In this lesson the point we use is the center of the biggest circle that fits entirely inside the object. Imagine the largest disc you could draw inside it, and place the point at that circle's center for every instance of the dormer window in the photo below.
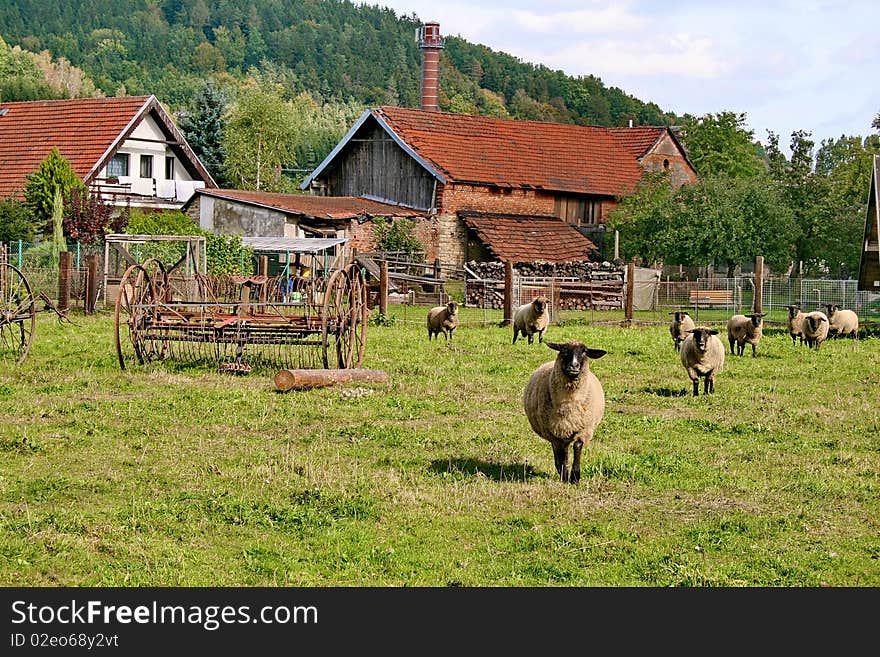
(118, 165)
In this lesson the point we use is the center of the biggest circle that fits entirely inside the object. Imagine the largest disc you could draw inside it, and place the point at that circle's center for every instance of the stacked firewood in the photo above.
(573, 285)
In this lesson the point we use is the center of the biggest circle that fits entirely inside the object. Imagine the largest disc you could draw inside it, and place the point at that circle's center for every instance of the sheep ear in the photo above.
(713, 332)
(554, 345)
(596, 353)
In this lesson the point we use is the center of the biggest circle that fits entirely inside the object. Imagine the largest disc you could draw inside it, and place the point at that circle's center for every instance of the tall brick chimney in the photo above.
(431, 43)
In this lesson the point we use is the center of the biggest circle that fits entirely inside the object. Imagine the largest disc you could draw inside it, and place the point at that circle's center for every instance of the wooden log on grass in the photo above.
(305, 379)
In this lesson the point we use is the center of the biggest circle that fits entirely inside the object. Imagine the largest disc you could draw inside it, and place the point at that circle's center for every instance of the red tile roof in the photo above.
(638, 139)
(83, 129)
(519, 238)
(529, 154)
(323, 207)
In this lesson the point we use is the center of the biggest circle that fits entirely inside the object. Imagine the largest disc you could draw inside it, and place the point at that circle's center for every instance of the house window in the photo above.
(146, 166)
(169, 168)
(118, 165)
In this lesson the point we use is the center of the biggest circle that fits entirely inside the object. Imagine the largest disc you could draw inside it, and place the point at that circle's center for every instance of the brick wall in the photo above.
(481, 198)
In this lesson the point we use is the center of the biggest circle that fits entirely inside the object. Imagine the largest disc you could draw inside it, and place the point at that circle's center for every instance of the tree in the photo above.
(720, 219)
(203, 129)
(15, 221)
(260, 138)
(88, 218)
(59, 244)
(722, 144)
(54, 172)
(396, 235)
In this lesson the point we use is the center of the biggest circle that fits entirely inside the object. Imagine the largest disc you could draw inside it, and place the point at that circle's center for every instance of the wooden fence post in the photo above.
(91, 283)
(630, 287)
(383, 287)
(263, 270)
(759, 284)
(508, 294)
(65, 259)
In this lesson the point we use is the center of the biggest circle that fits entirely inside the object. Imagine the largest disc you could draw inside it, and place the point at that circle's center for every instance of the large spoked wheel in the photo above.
(344, 317)
(18, 315)
(134, 304)
(359, 315)
(159, 279)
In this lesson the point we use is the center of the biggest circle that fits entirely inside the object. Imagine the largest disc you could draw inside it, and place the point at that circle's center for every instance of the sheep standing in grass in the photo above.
(742, 329)
(842, 322)
(815, 329)
(565, 402)
(443, 319)
(702, 355)
(795, 323)
(532, 318)
(680, 325)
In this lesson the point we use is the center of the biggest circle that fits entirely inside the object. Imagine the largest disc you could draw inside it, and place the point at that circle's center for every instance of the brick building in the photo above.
(471, 176)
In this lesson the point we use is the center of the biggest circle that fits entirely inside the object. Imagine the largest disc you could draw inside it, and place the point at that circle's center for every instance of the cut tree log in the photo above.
(304, 379)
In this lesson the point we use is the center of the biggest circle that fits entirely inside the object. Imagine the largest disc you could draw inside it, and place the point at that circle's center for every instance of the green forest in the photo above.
(287, 79)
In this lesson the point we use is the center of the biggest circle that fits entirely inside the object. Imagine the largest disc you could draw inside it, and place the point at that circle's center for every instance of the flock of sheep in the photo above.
(565, 402)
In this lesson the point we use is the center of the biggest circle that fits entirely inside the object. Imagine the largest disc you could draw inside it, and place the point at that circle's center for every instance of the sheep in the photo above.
(815, 329)
(795, 323)
(680, 325)
(531, 318)
(702, 355)
(565, 402)
(443, 319)
(742, 329)
(842, 322)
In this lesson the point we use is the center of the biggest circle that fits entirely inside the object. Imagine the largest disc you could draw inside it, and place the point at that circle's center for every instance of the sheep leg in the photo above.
(709, 384)
(577, 448)
(753, 351)
(732, 350)
(560, 456)
(696, 386)
(515, 333)
(531, 337)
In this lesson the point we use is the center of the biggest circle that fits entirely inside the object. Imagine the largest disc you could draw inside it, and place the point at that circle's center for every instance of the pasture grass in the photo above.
(175, 475)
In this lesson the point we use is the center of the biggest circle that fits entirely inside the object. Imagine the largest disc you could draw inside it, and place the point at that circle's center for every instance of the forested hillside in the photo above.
(333, 49)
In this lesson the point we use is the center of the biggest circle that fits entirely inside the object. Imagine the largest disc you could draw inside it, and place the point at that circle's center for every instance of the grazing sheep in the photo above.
(842, 322)
(815, 329)
(702, 355)
(531, 318)
(565, 402)
(443, 319)
(742, 329)
(795, 323)
(680, 325)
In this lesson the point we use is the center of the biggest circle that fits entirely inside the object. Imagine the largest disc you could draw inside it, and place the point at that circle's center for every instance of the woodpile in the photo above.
(571, 285)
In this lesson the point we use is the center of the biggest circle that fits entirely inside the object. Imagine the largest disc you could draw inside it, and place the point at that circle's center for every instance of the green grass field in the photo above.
(176, 475)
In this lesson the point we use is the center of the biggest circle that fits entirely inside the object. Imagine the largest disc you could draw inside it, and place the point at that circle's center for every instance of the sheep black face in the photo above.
(756, 318)
(793, 311)
(701, 337)
(680, 314)
(574, 357)
(452, 308)
(540, 304)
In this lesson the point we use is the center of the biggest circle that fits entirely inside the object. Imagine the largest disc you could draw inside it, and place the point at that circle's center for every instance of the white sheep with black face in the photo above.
(842, 322)
(815, 329)
(795, 323)
(443, 319)
(702, 356)
(532, 318)
(679, 326)
(745, 329)
(565, 402)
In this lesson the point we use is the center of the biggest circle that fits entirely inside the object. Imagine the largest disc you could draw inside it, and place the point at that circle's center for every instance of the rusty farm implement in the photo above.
(273, 323)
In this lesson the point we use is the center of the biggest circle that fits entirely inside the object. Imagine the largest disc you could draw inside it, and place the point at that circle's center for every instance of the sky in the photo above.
(787, 65)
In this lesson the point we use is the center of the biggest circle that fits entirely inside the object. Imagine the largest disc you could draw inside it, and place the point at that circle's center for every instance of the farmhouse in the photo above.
(128, 150)
(869, 269)
(467, 171)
